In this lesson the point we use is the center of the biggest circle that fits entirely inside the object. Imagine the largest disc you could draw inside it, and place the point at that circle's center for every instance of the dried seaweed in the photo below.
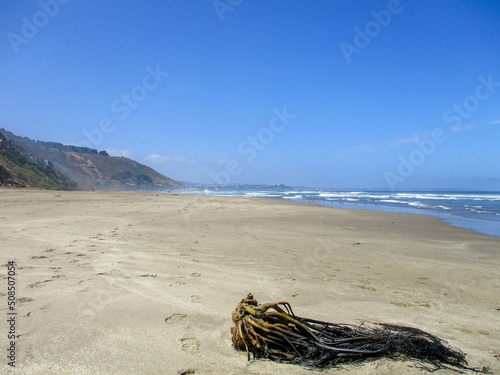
(272, 331)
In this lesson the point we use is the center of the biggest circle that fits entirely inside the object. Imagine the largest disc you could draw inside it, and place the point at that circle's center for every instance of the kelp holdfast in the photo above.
(272, 331)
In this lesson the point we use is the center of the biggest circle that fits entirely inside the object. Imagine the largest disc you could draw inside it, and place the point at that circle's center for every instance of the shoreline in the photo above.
(146, 282)
(478, 224)
(485, 227)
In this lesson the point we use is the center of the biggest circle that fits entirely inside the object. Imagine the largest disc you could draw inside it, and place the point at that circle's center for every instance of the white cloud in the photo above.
(461, 128)
(157, 158)
(364, 147)
(361, 148)
(367, 147)
(161, 159)
(114, 152)
(409, 140)
(403, 141)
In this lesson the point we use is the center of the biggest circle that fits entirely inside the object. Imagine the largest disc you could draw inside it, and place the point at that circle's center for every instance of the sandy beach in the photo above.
(145, 283)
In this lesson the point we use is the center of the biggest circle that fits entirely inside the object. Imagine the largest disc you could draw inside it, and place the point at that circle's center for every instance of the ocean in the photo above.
(475, 210)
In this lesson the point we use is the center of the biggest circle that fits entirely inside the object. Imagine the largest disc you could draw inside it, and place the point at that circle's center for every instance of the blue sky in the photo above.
(361, 94)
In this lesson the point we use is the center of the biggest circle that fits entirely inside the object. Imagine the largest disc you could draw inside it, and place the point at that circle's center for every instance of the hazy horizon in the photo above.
(334, 94)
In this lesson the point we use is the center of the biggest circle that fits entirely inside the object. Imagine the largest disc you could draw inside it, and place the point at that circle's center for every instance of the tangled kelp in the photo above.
(272, 331)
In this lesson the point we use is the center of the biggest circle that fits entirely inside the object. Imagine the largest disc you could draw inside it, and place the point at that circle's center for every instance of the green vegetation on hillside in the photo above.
(18, 170)
(50, 165)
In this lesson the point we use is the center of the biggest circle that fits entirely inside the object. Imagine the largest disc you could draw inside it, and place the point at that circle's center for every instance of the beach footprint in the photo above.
(38, 284)
(400, 304)
(175, 318)
(189, 345)
(177, 283)
(195, 299)
(24, 300)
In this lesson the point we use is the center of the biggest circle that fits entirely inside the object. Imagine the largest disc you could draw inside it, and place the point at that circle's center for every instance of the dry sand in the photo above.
(141, 283)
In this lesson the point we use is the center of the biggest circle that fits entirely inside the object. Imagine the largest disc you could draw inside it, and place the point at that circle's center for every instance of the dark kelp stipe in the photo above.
(272, 331)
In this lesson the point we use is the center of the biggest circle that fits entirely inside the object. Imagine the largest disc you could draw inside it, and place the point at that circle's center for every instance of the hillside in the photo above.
(50, 165)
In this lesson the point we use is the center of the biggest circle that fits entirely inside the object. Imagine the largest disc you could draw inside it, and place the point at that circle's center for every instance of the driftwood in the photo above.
(272, 331)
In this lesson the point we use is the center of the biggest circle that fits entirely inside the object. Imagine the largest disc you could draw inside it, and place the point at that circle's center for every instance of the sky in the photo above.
(340, 93)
